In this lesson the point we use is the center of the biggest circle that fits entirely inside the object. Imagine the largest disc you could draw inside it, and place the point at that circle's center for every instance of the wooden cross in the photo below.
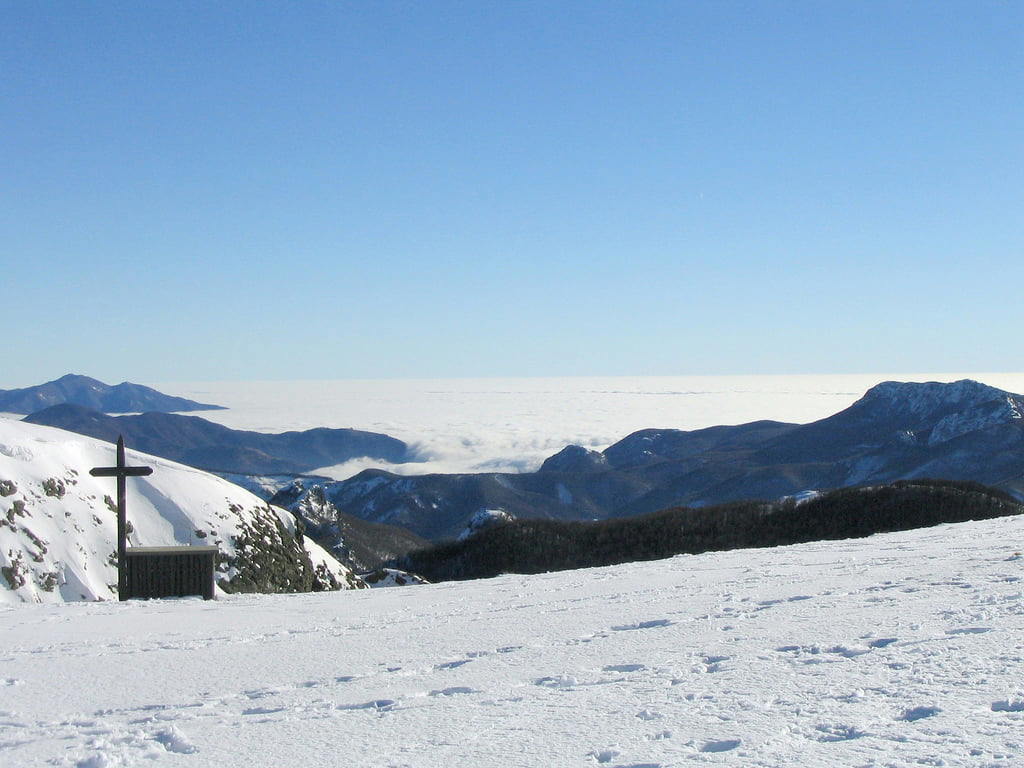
(121, 471)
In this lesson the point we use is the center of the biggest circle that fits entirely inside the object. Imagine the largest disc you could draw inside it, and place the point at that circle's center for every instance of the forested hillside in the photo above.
(536, 546)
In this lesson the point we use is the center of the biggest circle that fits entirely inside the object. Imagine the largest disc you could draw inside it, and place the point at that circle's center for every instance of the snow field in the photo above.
(898, 650)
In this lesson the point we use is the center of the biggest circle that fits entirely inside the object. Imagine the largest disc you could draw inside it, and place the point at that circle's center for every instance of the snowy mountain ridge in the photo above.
(946, 411)
(925, 398)
(58, 525)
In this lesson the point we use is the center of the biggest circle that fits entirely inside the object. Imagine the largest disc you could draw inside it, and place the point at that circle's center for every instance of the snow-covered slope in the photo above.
(902, 649)
(58, 529)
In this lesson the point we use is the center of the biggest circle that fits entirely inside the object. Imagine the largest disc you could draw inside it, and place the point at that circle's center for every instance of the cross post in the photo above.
(121, 471)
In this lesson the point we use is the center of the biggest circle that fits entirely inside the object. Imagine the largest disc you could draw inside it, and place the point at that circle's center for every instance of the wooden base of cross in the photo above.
(121, 471)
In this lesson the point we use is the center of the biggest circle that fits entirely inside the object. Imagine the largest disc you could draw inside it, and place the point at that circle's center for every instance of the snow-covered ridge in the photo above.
(979, 416)
(58, 527)
(923, 398)
(946, 410)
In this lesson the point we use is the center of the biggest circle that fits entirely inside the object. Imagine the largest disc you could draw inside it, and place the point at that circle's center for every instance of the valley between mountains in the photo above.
(964, 431)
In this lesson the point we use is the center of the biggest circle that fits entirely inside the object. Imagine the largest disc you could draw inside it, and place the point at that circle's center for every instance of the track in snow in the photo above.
(900, 649)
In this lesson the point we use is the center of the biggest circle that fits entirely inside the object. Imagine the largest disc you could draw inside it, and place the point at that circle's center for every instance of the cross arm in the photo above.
(120, 471)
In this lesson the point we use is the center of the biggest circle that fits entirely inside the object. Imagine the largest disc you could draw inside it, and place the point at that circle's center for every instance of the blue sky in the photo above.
(361, 190)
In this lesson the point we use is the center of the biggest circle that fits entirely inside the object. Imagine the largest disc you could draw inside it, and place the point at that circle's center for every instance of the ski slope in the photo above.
(897, 650)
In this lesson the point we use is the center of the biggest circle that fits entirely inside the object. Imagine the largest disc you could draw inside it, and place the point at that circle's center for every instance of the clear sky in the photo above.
(222, 190)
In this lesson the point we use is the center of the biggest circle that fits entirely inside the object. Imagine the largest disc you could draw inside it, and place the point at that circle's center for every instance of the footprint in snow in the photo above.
(605, 756)
(918, 713)
(262, 693)
(1008, 705)
(849, 652)
(174, 740)
(623, 668)
(380, 705)
(561, 681)
(968, 631)
(649, 714)
(713, 663)
(262, 710)
(453, 691)
(882, 642)
(643, 625)
(453, 664)
(830, 733)
(720, 746)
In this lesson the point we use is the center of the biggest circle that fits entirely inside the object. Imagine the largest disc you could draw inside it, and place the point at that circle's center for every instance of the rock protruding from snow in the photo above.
(392, 577)
(362, 546)
(485, 518)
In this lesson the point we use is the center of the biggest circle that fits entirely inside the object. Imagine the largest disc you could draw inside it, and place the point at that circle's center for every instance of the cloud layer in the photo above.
(512, 425)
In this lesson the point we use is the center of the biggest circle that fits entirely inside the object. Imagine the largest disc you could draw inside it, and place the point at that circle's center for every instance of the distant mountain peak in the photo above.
(923, 397)
(82, 390)
(944, 410)
(575, 458)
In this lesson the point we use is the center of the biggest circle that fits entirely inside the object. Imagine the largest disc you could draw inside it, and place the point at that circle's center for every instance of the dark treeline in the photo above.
(537, 546)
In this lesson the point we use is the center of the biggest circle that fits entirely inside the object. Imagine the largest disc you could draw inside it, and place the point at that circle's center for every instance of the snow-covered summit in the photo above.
(944, 410)
(484, 518)
(58, 526)
(925, 399)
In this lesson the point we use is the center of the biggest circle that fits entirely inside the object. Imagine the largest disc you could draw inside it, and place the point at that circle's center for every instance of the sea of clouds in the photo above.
(512, 425)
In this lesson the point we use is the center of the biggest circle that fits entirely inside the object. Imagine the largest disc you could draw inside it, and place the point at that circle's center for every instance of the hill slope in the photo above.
(200, 443)
(58, 527)
(539, 546)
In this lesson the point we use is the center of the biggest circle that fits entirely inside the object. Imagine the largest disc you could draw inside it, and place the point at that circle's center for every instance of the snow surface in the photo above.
(897, 650)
